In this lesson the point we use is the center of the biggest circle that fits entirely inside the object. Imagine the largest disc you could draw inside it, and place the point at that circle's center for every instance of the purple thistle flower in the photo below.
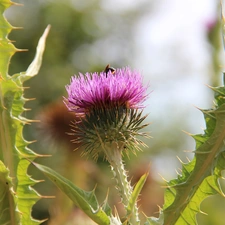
(123, 87)
(106, 106)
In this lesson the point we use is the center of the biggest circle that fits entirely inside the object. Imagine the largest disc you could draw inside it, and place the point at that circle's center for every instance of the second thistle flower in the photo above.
(108, 107)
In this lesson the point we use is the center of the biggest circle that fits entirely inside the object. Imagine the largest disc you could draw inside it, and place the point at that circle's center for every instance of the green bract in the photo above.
(117, 126)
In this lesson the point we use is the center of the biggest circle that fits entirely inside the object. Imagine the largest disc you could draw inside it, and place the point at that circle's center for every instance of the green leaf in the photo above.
(36, 63)
(84, 200)
(199, 178)
(7, 198)
(135, 193)
(14, 149)
(7, 49)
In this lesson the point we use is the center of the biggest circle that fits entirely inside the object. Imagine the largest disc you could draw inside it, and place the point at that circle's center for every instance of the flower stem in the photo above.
(114, 157)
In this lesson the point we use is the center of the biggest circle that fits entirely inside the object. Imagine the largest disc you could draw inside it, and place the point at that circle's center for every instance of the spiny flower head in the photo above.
(107, 105)
(122, 87)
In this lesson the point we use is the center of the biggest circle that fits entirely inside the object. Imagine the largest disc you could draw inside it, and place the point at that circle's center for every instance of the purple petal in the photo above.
(123, 87)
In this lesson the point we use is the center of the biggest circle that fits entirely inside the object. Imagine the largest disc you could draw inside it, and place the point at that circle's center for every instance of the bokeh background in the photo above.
(177, 46)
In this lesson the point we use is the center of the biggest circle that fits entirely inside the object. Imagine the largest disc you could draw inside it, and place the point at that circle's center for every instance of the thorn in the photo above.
(31, 142)
(38, 181)
(160, 209)
(116, 213)
(16, 4)
(43, 156)
(188, 158)
(25, 88)
(95, 187)
(162, 178)
(186, 132)
(35, 121)
(179, 159)
(189, 151)
(44, 220)
(17, 28)
(47, 197)
(144, 214)
(178, 172)
(26, 109)
(200, 211)
(30, 99)
(22, 50)
(198, 108)
(209, 86)
(27, 121)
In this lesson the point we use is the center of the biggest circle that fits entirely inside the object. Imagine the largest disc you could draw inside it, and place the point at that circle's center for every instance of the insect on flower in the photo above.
(109, 69)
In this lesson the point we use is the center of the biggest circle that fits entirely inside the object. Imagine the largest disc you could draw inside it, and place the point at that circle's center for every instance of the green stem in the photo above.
(114, 157)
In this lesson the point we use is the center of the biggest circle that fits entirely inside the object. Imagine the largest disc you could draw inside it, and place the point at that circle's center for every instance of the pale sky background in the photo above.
(174, 55)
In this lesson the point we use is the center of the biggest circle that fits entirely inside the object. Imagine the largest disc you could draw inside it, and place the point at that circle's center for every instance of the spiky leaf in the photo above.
(199, 178)
(84, 200)
(13, 147)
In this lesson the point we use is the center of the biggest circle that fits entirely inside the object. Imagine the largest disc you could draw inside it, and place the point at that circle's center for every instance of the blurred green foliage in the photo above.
(83, 38)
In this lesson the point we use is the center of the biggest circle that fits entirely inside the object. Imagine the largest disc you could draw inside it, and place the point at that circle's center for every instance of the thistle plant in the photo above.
(108, 111)
(17, 196)
(107, 107)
